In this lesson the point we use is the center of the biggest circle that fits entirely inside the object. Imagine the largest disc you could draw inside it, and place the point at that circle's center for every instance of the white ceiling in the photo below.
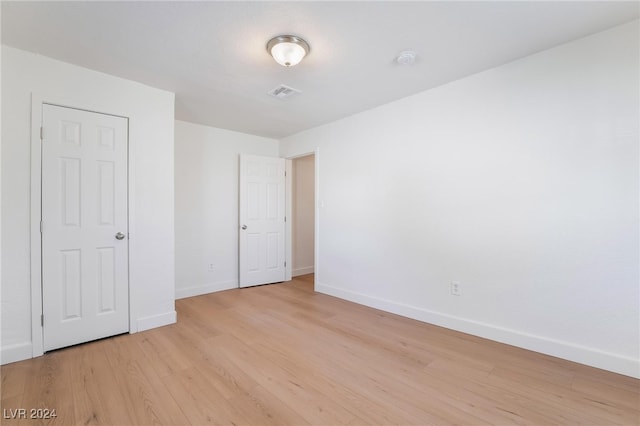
(212, 54)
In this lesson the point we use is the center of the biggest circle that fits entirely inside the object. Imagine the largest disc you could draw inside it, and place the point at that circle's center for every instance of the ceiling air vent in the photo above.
(283, 92)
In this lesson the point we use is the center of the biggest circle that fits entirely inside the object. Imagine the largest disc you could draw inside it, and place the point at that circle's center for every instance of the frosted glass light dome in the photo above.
(287, 50)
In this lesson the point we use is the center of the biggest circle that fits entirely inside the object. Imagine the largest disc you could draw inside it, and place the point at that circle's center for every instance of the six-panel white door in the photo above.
(262, 220)
(84, 226)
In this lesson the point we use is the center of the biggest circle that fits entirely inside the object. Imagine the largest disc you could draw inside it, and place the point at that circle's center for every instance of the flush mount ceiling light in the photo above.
(288, 50)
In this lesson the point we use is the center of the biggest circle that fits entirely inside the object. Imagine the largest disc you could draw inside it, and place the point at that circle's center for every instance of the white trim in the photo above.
(198, 290)
(561, 349)
(131, 216)
(37, 103)
(316, 216)
(37, 337)
(153, 321)
(288, 184)
(16, 352)
(303, 271)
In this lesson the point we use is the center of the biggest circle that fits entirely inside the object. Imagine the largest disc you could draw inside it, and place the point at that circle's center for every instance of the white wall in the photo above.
(206, 210)
(303, 215)
(520, 182)
(150, 112)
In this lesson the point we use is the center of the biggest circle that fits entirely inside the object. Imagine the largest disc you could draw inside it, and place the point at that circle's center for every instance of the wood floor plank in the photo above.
(48, 389)
(571, 405)
(146, 399)
(243, 391)
(14, 378)
(284, 355)
(97, 399)
(286, 386)
(163, 353)
(606, 394)
(200, 401)
(423, 403)
(331, 374)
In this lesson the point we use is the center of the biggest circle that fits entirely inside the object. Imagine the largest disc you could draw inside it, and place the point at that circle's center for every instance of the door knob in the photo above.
(244, 226)
(120, 236)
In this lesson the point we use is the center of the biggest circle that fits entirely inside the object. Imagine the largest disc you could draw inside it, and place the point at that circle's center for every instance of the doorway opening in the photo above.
(303, 217)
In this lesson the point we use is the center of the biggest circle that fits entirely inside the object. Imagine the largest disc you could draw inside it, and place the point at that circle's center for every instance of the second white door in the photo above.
(262, 220)
(85, 271)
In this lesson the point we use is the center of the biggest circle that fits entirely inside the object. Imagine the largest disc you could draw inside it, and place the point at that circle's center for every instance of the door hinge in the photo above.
(41, 133)
(41, 227)
(42, 320)
(285, 218)
(285, 263)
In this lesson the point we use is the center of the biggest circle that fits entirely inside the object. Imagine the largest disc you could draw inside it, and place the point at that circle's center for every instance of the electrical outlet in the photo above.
(211, 267)
(456, 288)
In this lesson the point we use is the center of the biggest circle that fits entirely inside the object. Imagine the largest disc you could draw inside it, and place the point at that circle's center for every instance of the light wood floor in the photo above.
(284, 355)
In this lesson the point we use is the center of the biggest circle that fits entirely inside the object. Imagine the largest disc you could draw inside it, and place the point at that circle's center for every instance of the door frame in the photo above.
(37, 102)
(316, 216)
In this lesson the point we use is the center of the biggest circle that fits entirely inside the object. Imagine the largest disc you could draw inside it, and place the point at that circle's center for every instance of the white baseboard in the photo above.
(561, 349)
(154, 321)
(16, 352)
(22, 351)
(181, 293)
(302, 271)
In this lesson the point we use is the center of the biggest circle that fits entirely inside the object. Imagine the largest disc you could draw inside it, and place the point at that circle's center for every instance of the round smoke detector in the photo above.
(407, 57)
